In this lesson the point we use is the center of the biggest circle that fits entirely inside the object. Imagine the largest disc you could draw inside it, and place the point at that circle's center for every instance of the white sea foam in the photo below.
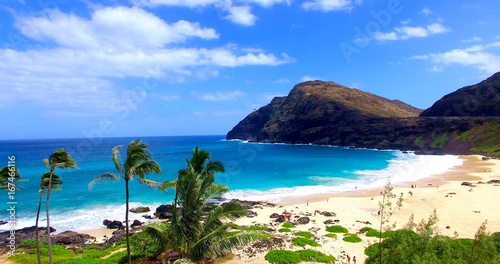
(403, 168)
(86, 219)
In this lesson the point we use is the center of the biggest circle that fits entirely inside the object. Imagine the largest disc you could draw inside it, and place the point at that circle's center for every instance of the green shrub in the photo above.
(352, 239)
(365, 229)
(372, 250)
(308, 254)
(302, 242)
(375, 233)
(282, 256)
(304, 234)
(331, 235)
(288, 225)
(144, 245)
(283, 230)
(337, 229)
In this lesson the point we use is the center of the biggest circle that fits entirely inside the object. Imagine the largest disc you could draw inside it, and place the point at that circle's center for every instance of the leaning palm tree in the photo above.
(44, 184)
(8, 175)
(137, 165)
(59, 159)
(198, 228)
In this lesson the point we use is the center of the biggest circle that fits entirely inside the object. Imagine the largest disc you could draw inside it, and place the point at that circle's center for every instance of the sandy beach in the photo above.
(460, 209)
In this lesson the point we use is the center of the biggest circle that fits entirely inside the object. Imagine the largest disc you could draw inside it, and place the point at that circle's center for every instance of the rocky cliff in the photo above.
(328, 113)
(482, 99)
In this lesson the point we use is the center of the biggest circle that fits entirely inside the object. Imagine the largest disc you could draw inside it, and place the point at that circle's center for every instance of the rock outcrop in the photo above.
(482, 99)
(326, 113)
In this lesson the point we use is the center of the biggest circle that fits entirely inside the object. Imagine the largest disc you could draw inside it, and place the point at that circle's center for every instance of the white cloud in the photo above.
(204, 3)
(282, 80)
(309, 78)
(475, 56)
(436, 28)
(426, 11)
(221, 96)
(83, 55)
(241, 15)
(110, 29)
(385, 36)
(411, 32)
(268, 3)
(171, 97)
(406, 22)
(187, 3)
(330, 5)
(252, 50)
(473, 39)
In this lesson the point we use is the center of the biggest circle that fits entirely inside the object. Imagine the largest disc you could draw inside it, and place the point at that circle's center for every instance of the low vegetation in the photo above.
(61, 255)
(420, 244)
(351, 238)
(288, 225)
(284, 230)
(305, 234)
(370, 232)
(302, 242)
(287, 256)
(337, 229)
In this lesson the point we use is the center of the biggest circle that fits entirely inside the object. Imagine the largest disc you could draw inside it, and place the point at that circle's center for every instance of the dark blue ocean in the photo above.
(253, 172)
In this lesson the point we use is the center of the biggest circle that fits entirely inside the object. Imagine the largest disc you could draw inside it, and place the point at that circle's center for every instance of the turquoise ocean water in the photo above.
(253, 171)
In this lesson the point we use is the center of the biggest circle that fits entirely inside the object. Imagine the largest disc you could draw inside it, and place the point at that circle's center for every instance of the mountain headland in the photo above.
(327, 113)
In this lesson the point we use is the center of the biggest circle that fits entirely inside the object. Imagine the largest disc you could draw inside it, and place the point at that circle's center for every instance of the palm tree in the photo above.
(137, 165)
(6, 176)
(59, 159)
(44, 184)
(199, 229)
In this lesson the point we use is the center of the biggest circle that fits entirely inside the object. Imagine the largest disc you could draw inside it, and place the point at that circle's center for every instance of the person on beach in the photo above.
(348, 259)
(354, 259)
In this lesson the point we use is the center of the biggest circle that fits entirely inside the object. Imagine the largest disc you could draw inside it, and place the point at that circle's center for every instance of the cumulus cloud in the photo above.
(309, 78)
(403, 33)
(111, 28)
(76, 58)
(475, 56)
(241, 15)
(473, 39)
(187, 3)
(426, 11)
(330, 5)
(221, 96)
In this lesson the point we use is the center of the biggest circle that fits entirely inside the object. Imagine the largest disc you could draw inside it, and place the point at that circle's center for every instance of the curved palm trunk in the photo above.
(48, 216)
(36, 230)
(126, 225)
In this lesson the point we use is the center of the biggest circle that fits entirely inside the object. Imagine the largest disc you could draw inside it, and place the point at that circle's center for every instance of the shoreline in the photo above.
(462, 212)
(459, 210)
(455, 173)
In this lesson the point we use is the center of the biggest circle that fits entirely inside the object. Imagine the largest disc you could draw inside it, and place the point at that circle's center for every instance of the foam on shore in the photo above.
(404, 167)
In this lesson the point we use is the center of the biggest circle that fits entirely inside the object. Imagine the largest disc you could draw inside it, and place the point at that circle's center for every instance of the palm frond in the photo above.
(158, 233)
(147, 167)
(61, 159)
(106, 177)
(116, 158)
(220, 242)
(214, 166)
(168, 185)
(56, 181)
(149, 183)
(228, 211)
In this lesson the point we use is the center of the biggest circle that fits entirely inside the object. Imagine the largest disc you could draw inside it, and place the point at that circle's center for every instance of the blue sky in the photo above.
(197, 67)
